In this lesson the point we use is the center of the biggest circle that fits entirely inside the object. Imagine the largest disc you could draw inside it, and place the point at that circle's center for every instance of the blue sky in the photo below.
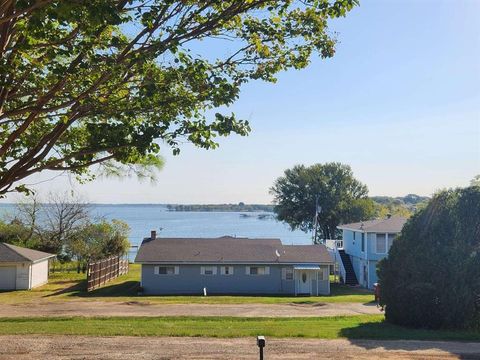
(399, 102)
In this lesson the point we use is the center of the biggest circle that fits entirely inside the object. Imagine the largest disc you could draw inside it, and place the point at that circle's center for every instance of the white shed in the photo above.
(22, 268)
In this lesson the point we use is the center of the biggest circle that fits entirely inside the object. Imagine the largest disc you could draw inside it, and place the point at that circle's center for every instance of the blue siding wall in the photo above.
(190, 281)
(354, 247)
(368, 258)
(373, 273)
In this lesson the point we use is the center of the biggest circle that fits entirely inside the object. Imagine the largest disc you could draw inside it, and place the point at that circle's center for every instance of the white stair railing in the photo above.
(333, 246)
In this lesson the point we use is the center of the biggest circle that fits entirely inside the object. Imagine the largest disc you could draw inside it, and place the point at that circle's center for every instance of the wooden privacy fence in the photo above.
(102, 271)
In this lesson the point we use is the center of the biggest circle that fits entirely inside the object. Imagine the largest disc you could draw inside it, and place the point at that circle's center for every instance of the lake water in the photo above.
(144, 218)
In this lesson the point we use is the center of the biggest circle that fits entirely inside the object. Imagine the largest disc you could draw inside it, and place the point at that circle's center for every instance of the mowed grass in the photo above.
(64, 286)
(352, 327)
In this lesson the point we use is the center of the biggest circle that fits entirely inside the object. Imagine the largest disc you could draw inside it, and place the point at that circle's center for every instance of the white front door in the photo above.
(304, 282)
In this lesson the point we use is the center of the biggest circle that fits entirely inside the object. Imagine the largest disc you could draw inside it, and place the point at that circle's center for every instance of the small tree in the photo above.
(431, 277)
(54, 222)
(115, 240)
(16, 233)
(99, 240)
(342, 198)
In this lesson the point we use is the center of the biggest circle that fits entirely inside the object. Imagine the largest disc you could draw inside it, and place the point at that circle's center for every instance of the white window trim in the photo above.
(391, 238)
(266, 271)
(156, 270)
(386, 244)
(321, 276)
(213, 268)
(223, 268)
(284, 274)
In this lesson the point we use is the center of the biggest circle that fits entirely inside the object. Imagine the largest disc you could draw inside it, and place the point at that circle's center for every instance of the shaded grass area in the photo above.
(352, 327)
(64, 286)
(60, 283)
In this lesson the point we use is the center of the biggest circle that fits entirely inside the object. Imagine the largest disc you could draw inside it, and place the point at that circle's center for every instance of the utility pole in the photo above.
(318, 210)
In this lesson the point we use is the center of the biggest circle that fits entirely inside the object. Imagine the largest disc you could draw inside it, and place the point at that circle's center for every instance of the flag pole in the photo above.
(318, 209)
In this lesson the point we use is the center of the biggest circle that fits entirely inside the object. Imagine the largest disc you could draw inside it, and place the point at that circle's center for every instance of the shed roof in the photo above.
(228, 249)
(13, 253)
(392, 224)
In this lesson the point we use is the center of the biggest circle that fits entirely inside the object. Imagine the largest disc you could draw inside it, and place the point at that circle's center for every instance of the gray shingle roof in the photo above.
(12, 253)
(228, 250)
(393, 224)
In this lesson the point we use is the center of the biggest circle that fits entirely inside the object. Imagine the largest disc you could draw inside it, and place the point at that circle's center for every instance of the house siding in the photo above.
(190, 281)
(28, 275)
(352, 247)
(373, 273)
(23, 280)
(39, 273)
(368, 258)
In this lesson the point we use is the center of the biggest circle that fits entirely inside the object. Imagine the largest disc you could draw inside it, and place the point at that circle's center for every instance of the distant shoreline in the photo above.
(245, 208)
(241, 207)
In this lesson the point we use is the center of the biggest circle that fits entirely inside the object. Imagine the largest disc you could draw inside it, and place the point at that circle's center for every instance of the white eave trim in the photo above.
(369, 231)
(43, 259)
(347, 228)
(174, 262)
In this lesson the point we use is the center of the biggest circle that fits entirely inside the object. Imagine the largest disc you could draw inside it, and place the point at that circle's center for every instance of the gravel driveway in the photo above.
(99, 308)
(81, 347)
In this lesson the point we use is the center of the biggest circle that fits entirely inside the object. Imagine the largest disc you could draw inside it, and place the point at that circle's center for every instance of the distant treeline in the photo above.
(410, 200)
(402, 205)
(240, 207)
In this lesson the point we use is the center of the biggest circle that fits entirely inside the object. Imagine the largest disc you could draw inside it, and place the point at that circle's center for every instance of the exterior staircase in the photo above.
(350, 277)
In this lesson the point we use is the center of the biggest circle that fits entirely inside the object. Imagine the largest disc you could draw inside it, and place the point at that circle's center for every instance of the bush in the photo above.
(431, 277)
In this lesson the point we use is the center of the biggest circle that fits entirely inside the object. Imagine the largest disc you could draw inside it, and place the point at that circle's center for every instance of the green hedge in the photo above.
(431, 278)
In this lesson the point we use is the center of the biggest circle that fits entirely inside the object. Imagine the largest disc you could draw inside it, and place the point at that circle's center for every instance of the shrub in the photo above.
(431, 277)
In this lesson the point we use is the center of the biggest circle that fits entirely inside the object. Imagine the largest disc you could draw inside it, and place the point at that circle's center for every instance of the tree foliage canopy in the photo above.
(431, 277)
(475, 181)
(342, 198)
(64, 226)
(99, 240)
(101, 81)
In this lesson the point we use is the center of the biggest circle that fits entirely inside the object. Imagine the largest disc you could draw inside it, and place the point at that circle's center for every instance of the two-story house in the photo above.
(364, 244)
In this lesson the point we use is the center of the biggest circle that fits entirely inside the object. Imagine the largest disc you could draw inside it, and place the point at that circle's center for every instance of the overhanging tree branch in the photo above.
(74, 80)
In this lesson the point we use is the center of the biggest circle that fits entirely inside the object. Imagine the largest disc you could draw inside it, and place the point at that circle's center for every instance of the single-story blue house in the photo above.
(231, 265)
(364, 244)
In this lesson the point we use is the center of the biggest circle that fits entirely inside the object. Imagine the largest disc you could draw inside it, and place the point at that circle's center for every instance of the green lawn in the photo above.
(353, 327)
(64, 286)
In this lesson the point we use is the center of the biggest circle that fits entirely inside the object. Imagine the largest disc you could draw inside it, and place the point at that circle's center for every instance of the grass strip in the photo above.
(353, 327)
(64, 286)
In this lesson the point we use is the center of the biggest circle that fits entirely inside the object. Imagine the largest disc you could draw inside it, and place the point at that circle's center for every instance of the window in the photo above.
(354, 237)
(226, 270)
(363, 242)
(321, 274)
(381, 244)
(166, 270)
(257, 270)
(304, 277)
(391, 237)
(287, 274)
(208, 270)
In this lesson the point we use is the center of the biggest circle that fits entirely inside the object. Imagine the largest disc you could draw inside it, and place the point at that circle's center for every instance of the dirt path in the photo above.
(81, 347)
(99, 308)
